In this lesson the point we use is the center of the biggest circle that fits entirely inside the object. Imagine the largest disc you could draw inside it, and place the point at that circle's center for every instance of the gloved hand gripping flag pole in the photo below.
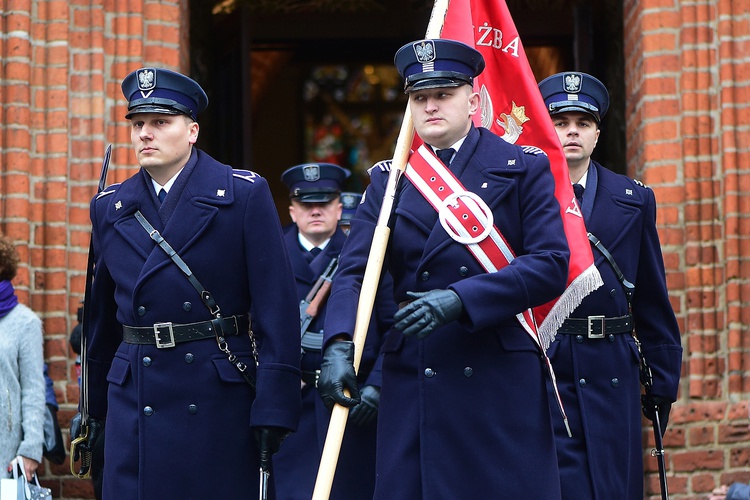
(339, 415)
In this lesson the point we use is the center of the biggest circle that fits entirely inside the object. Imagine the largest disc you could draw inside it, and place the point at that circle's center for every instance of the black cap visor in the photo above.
(315, 195)
(157, 105)
(570, 106)
(436, 79)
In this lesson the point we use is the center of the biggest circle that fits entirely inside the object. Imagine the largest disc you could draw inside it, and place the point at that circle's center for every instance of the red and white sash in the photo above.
(467, 219)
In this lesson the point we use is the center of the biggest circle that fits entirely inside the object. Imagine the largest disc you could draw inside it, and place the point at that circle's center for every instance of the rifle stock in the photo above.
(309, 307)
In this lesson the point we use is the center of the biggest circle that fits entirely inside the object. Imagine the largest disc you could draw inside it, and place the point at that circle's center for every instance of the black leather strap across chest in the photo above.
(218, 324)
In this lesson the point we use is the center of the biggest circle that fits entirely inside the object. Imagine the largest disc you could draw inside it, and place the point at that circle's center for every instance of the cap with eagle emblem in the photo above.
(314, 182)
(157, 90)
(575, 91)
(435, 63)
(349, 203)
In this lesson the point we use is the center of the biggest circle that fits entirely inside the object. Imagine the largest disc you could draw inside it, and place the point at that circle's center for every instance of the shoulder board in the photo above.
(640, 183)
(383, 166)
(107, 191)
(533, 150)
(247, 175)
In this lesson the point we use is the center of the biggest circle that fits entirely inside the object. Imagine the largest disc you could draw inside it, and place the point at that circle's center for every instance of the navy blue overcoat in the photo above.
(296, 465)
(179, 420)
(598, 378)
(464, 413)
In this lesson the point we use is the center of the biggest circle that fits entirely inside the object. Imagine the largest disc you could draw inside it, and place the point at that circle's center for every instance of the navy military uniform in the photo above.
(180, 418)
(297, 462)
(598, 371)
(463, 413)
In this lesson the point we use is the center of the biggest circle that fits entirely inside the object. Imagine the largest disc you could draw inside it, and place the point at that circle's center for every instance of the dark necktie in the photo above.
(162, 194)
(311, 254)
(578, 190)
(445, 155)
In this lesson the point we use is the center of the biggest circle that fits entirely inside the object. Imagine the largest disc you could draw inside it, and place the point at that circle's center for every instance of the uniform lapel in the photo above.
(614, 201)
(206, 186)
(302, 271)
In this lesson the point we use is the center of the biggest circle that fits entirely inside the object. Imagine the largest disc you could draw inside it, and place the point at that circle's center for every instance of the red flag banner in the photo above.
(513, 108)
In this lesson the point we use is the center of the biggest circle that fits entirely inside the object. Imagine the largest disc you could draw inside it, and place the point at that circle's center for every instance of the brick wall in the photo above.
(688, 81)
(60, 105)
(688, 88)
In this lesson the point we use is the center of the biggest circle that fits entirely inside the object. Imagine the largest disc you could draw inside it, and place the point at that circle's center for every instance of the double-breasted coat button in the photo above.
(579, 339)
(429, 372)
(463, 271)
(186, 306)
(189, 357)
(192, 409)
(468, 371)
(141, 310)
(146, 361)
(612, 292)
(148, 411)
(582, 382)
(425, 276)
(615, 382)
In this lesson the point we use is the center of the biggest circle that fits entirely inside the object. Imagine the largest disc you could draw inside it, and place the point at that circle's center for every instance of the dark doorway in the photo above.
(277, 73)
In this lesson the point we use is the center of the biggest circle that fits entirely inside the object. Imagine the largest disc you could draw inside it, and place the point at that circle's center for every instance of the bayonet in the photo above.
(85, 452)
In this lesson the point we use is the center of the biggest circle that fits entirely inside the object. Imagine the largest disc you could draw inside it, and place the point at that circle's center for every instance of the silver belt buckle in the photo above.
(164, 335)
(590, 324)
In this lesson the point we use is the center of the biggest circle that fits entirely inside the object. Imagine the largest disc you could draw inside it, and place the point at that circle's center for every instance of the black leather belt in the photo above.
(311, 378)
(596, 327)
(168, 334)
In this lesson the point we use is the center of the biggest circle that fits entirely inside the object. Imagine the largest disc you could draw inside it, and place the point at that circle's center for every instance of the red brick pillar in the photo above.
(60, 105)
(687, 80)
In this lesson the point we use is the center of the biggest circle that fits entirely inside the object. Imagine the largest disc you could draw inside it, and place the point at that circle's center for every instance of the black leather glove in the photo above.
(337, 373)
(269, 440)
(429, 311)
(652, 404)
(95, 430)
(367, 409)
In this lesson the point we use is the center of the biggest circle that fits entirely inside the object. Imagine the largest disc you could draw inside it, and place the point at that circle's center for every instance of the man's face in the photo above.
(443, 115)
(162, 142)
(316, 221)
(578, 133)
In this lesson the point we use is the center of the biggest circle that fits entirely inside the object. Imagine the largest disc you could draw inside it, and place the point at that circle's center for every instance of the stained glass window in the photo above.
(353, 116)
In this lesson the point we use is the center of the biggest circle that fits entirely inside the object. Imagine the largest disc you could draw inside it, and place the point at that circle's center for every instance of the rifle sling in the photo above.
(206, 297)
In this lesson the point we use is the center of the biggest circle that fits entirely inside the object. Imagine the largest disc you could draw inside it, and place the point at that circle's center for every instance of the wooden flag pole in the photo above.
(339, 415)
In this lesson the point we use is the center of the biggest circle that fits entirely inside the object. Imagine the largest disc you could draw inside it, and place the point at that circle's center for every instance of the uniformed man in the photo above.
(463, 409)
(595, 356)
(316, 209)
(182, 418)
(349, 203)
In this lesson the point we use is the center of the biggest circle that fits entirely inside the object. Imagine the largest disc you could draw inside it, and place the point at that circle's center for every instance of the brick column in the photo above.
(60, 105)
(687, 78)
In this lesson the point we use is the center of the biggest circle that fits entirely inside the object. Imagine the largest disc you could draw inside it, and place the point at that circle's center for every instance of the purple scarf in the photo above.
(8, 299)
